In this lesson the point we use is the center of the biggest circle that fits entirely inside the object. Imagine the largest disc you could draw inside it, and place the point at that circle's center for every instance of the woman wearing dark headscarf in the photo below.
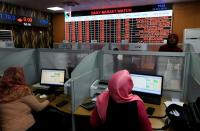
(17, 101)
(120, 87)
(171, 45)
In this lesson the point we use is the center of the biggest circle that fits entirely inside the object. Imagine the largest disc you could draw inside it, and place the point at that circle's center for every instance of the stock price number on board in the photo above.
(26, 21)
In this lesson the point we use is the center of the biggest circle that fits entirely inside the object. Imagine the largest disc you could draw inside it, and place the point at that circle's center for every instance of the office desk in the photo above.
(58, 98)
(156, 123)
(159, 111)
(66, 108)
(82, 112)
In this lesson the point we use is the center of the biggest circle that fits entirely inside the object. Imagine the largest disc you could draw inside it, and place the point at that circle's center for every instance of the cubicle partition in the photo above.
(25, 58)
(82, 78)
(81, 87)
(85, 73)
(173, 66)
(80, 90)
(194, 78)
(32, 60)
(193, 48)
(60, 59)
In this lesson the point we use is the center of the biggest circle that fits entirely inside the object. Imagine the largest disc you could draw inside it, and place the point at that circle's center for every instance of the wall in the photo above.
(58, 27)
(185, 15)
(28, 37)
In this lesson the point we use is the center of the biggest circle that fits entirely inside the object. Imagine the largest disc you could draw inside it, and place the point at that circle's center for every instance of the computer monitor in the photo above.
(150, 86)
(52, 77)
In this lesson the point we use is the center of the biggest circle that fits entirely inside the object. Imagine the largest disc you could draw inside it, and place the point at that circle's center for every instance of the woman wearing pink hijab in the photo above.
(118, 108)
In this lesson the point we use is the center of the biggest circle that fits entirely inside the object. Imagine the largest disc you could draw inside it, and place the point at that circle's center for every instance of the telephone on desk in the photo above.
(89, 105)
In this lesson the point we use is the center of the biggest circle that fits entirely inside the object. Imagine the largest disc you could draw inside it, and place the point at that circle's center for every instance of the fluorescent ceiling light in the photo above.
(55, 8)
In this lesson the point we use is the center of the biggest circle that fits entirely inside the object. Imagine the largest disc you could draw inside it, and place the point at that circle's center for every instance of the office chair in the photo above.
(121, 116)
(70, 69)
(51, 119)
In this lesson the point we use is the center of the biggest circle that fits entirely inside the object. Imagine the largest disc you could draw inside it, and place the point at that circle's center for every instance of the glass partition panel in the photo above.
(194, 79)
(90, 46)
(195, 63)
(87, 64)
(171, 67)
(134, 64)
(26, 58)
(61, 60)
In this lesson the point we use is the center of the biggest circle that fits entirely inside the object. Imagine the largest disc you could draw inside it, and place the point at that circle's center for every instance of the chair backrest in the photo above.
(122, 116)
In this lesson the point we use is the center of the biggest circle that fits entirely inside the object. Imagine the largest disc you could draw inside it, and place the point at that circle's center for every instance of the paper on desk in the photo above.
(167, 103)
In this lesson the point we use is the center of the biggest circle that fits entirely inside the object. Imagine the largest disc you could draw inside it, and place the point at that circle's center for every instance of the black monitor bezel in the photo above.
(53, 70)
(150, 94)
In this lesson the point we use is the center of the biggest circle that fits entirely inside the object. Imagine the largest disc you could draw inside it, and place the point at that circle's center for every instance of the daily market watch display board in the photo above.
(148, 24)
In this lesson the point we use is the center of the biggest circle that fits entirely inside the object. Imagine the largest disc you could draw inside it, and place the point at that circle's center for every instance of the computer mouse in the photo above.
(43, 96)
(150, 110)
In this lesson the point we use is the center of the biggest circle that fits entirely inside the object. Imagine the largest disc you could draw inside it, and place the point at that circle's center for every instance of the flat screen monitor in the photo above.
(148, 87)
(147, 84)
(52, 77)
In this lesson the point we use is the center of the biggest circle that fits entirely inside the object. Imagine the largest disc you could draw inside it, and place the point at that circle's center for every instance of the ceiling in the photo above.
(87, 4)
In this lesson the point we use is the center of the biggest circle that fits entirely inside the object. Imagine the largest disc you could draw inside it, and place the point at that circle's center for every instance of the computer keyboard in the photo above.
(151, 100)
(41, 91)
(39, 86)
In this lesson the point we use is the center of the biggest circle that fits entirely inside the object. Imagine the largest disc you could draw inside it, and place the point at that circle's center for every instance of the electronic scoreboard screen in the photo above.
(116, 25)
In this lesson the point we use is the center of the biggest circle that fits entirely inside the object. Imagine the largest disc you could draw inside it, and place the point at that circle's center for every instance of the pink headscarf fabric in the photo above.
(120, 87)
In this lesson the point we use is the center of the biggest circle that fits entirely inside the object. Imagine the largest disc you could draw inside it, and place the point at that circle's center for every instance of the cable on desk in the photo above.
(159, 117)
